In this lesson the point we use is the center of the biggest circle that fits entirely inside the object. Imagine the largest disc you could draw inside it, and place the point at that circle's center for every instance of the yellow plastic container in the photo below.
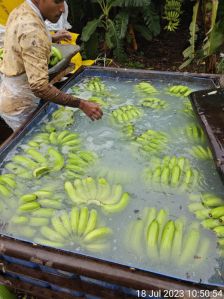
(6, 7)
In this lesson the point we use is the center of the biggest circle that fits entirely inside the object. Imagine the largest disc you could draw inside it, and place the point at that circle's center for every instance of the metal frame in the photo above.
(93, 268)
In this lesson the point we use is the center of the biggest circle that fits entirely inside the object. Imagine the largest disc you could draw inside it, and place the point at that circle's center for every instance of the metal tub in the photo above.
(39, 270)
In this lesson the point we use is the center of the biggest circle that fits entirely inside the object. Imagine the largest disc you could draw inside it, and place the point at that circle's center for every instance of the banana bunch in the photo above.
(34, 210)
(126, 114)
(209, 208)
(34, 164)
(41, 201)
(55, 56)
(64, 139)
(77, 164)
(195, 132)
(152, 141)
(110, 198)
(7, 185)
(8, 188)
(77, 228)
(172, 12)
(128, 130)
(180, 90)
(200, 152)
(165, 240)
(153, 103)
(188, 110)
(145, 88)
(172, 173)
(1, 53)
(98, 100)
(95, 84)
(60, 119)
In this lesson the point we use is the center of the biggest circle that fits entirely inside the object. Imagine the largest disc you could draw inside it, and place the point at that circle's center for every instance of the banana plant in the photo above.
(214, 33)
(118, 22)
(189, 53)
(104, 21)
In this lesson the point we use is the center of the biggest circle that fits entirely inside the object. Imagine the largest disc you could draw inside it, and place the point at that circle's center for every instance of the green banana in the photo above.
(135, 236)
(28, 197)
(83, 220)
(210, 200)
(36, 156)
(8, 180)
(24, 161)
(202, 214)
(151, 215)
(118, 207)
(167, 241)
(4, 191)
(74, 218)
(210, 223)
(152, 240)
(58, 226)
(51, 234)
(177, 239)
(190, 246)
(57, 158)
(219, 230)
(175, 176)
(217, 212)
(97, 234)
(65, 218)
(40, 171)
(92, 221)
(19, 219)
(29, 206)
(161, 219)
(195, 206)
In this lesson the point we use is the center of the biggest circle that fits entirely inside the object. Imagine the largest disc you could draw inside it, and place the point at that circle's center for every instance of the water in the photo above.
(121, 161)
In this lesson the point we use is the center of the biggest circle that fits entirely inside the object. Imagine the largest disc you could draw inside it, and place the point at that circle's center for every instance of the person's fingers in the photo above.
(95, 115)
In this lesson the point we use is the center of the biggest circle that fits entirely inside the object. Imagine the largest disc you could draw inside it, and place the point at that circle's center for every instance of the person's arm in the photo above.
(35, 55)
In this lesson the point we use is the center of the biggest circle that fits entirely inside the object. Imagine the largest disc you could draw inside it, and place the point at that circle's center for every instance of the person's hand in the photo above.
(92, 110)
(61, 35)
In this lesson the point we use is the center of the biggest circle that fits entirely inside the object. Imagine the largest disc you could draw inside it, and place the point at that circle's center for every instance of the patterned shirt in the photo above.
(27, 47)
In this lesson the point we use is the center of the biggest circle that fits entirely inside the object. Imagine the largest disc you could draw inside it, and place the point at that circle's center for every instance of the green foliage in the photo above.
(220, 66)
(89, 29)
(5, 293)
(212, 12)
(212, 39)
(113, 20)
(189, 53)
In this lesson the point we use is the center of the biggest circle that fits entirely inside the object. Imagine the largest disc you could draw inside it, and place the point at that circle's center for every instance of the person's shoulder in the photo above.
(24, 17)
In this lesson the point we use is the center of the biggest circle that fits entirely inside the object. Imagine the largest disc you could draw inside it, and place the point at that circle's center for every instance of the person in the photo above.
(24, 69)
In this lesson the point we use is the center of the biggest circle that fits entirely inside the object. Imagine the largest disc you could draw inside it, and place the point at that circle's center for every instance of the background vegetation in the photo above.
(116, 28)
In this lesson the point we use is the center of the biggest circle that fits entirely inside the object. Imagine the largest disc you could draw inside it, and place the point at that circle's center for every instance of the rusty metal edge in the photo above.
(93, 267)
(36, 291)
(74, 284)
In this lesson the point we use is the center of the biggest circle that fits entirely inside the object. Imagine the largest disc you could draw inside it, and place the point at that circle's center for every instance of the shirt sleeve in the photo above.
(35, 54)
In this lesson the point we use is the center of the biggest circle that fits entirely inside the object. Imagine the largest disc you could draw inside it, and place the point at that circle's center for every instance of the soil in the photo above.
(163, 53)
